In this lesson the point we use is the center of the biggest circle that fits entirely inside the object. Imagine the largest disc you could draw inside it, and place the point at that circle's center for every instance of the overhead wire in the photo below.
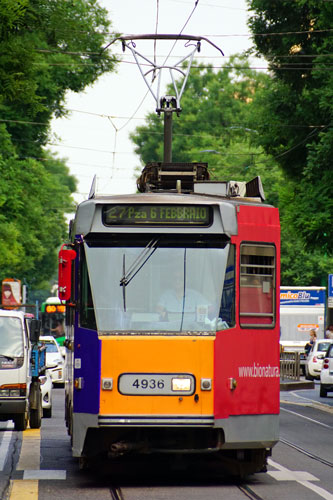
(295, 65)
(213, 35)
(282, 125)
(154, 76)
(302, 68)
(181, 31)
(296, 54)
(212, 5)
(156, 29)
(155, 42)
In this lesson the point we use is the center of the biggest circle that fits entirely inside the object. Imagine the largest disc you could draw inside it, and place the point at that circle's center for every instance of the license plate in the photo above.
(156, 384)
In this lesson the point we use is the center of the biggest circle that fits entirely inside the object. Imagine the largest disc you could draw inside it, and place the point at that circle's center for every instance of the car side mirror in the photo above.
(34, 329)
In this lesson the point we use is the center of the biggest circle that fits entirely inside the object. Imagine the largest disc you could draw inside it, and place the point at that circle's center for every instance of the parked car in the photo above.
(326, 375)
(314, 361)
(54, 360)
(46, 388)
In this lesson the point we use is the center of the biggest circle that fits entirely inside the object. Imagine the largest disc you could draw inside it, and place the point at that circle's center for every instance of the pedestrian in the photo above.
(58, 330)
(329, 332)
(313, 338)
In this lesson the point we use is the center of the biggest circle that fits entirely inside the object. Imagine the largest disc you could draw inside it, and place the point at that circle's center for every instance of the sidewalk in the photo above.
(293, 385)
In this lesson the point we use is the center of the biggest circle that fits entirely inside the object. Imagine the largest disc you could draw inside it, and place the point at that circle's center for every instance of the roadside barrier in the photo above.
(290, 367)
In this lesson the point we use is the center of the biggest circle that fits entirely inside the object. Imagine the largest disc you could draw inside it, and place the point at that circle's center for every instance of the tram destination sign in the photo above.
(156, 215)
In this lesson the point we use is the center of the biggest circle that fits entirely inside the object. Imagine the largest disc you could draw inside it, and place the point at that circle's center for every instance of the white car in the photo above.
(314, 361)
(54, 360)
(46, 388)
(326, 375)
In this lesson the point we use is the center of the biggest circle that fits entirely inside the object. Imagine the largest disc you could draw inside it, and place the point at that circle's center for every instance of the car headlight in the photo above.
(9, 393)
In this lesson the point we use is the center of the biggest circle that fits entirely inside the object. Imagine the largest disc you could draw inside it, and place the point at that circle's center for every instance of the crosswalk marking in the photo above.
(4, 446)
(44, 474)
(27, 490)
(30, 451)
(302, 477)
(29, 463)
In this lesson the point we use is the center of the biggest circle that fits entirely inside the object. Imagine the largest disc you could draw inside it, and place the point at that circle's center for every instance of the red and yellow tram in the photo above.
(173, 320)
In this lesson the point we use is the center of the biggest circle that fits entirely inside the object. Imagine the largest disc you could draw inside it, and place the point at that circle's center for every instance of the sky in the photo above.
(94, 138)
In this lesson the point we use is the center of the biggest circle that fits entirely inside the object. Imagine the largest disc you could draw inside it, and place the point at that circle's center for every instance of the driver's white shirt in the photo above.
(171, 302)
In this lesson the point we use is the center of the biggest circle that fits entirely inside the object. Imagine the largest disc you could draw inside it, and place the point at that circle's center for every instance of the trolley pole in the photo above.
(167, 158)
(168, 105)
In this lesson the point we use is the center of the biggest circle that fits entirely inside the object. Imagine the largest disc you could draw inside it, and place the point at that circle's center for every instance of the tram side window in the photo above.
(87, 312)
(257, 286)
(227, 311)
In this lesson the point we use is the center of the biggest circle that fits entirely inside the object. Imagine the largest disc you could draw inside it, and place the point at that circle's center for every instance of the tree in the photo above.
(46, 48)
(297, 44)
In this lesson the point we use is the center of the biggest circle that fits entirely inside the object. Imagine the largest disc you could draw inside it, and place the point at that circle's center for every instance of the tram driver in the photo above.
(179, 299)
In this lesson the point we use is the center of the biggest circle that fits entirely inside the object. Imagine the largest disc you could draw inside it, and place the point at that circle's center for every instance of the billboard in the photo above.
(11, 293)
(306, 296)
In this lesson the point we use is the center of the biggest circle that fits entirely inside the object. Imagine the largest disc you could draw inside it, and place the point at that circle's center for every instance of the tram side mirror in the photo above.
(66, 255)
(34, 329)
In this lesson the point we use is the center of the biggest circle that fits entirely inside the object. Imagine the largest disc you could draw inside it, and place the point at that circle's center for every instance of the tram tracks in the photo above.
(116, 493)
(305, 452)
(248, 492)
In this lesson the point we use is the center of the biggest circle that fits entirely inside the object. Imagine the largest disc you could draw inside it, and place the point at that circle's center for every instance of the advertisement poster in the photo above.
(11, 293)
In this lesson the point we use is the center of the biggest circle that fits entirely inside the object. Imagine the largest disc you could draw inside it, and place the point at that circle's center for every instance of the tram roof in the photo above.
(173, 197)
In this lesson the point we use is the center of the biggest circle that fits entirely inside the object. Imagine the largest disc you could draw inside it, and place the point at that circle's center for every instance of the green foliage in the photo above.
(46, 48)
(299, 265)
(33, 203)
(299, 131)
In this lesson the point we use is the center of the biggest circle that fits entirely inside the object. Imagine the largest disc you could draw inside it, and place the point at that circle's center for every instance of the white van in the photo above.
(302, 309)
(20, 399)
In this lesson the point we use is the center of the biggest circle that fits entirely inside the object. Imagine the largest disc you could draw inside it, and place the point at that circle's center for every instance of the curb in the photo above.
(293, 385)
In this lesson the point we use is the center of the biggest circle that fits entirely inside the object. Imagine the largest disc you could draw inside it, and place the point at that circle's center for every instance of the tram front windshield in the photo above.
(158, 284)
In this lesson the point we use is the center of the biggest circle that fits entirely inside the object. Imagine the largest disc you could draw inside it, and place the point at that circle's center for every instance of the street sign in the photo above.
(330, 291)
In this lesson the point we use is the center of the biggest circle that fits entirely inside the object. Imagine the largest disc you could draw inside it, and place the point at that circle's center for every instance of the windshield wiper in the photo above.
(7, 356)
(138, 264)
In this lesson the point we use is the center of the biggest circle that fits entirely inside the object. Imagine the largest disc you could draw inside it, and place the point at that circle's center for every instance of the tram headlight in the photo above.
(181, 384)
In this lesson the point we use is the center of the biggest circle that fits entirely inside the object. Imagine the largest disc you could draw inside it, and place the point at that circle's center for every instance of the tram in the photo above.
(172, 320)
(52, 315)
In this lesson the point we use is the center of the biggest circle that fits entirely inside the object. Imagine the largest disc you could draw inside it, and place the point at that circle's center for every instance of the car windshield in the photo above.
(11, 336)
(173, 284)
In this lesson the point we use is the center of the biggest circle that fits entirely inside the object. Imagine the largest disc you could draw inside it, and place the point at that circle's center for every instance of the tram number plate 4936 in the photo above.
(156, 384)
